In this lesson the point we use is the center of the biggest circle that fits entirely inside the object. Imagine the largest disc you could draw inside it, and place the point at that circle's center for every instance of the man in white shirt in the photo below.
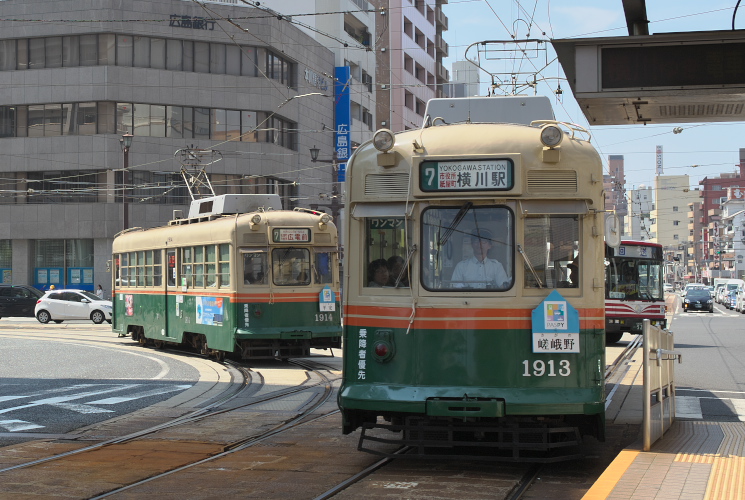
(480, 271)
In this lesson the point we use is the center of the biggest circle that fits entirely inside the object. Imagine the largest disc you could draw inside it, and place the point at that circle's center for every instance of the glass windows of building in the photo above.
(145, 52)
(124, 50)
(63, 263)
(63, 186)
(6, 262)
(8, 61)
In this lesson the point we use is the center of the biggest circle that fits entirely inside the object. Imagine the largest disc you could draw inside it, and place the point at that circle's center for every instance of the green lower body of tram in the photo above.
(217, 326)
(440, 389)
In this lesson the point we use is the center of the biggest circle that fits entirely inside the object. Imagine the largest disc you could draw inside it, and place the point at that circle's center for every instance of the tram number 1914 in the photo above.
(324, 317)
(549, 368)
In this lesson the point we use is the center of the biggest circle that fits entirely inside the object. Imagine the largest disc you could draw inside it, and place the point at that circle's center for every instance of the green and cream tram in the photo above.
(489, 331)
(260, 282)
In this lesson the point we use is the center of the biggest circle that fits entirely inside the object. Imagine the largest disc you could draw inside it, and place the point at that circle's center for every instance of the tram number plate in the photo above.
(324, 317)
(550, 368)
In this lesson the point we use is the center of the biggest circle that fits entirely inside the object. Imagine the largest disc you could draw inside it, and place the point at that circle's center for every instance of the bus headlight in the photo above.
(383, 140)
(551, 136)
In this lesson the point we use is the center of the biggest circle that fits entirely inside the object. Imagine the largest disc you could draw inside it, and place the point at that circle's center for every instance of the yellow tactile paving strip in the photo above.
(694, 461)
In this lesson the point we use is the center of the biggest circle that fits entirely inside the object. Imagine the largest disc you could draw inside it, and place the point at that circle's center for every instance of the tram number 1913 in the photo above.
(548, 368)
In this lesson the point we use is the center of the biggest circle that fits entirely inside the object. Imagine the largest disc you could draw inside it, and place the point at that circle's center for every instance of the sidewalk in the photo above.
(694, 460)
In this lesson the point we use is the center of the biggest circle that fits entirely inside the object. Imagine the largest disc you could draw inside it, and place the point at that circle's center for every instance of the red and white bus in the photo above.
(634, 289)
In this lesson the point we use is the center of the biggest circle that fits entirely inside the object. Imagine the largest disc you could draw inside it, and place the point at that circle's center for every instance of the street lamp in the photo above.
(125, 142)
(335, 204)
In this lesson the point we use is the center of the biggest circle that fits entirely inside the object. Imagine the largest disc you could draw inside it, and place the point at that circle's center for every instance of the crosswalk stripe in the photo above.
(688, 407)
(85, 409)
(147, 394)
(18, 425)
(739, 405)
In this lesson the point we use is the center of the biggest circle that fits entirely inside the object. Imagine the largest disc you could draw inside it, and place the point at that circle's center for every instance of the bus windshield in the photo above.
(633, 279)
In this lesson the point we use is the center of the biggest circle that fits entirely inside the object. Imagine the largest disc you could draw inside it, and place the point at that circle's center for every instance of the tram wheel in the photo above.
(159, 344)
(219, 356)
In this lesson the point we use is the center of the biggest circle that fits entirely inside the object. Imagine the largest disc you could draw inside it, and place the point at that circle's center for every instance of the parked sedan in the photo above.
(698, 300)
(59, 305)
(18, 300)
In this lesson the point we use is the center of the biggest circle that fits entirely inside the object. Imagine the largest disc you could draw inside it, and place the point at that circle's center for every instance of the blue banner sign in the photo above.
(342, 114)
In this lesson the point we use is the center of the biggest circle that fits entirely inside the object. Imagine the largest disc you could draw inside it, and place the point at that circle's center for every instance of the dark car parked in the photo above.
(18, 300)
(698, 300)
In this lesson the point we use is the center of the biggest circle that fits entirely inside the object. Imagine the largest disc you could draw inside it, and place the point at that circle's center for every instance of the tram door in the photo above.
(170, 289)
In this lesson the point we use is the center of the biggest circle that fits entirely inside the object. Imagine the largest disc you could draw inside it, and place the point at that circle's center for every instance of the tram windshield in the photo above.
(633, 279)
(550, 254)
(291, 266)
(467, 248)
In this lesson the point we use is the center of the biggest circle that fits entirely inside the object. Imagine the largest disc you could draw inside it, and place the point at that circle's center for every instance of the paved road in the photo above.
(58, 378)
(711, 380)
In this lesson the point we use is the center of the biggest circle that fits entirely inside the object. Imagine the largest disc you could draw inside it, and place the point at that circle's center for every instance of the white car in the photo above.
(668, 288)
(59, 305)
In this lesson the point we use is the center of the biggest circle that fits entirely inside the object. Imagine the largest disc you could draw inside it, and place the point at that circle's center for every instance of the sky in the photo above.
(700, 150)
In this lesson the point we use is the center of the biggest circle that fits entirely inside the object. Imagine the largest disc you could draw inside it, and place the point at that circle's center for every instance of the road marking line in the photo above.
(147, 394)
(688, 407)
(739, 405)
(18, 425)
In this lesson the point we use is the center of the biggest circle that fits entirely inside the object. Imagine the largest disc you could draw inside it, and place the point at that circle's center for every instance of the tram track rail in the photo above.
(222, 406)
(528, 477)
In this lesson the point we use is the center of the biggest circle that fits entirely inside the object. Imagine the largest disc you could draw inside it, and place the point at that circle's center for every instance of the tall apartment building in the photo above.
(410, 48)
(613, 184)
(696, 253)
(170, 73)
(638, 221)
(346, 28)
(670, 215)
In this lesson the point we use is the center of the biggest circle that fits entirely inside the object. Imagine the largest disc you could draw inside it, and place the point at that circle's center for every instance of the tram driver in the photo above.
(480, 271)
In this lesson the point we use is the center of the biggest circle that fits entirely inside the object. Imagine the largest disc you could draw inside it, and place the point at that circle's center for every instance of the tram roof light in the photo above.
(383, 140)
(551, 136)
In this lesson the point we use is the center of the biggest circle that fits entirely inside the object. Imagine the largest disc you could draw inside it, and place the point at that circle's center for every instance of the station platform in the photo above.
(694, 460)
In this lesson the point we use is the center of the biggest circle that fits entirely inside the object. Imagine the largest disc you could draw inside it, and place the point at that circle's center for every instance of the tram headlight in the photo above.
(325, 219)
(551, 136)
(383, 140)
(256, 219)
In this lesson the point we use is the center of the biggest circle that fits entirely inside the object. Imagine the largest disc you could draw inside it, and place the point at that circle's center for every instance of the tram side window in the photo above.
(254, 268)
(291, 266)
(387, 250)
(551, 251)
(322, 270)
(468, 248)
(142, 268)
(187, 271)
(206, 266)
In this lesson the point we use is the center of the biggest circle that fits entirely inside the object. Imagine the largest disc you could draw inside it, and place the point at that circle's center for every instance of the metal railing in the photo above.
(659, 382)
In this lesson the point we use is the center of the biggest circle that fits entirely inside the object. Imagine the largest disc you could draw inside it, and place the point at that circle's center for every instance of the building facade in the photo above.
(173, 75)
(640, 204)
(613, 184)
(410, 49)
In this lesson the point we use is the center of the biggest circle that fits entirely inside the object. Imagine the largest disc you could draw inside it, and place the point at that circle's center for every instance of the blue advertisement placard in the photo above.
(555, 326)
(342, 113)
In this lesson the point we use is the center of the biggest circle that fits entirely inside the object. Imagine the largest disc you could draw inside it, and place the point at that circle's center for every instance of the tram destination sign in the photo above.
(467, 175)
(289, 235)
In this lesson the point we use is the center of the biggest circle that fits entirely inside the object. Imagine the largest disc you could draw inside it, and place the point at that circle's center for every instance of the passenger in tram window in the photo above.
(395, 266)
(377, 273)
(480, 271)
(574, 273)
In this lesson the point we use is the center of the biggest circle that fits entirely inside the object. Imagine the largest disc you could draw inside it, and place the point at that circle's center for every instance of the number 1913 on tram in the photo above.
(474, 283)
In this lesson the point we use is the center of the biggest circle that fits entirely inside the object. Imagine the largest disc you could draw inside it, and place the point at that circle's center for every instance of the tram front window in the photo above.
(467, 248)
(550, 258)
(254, 268)
(387, 251)
(291, 266)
